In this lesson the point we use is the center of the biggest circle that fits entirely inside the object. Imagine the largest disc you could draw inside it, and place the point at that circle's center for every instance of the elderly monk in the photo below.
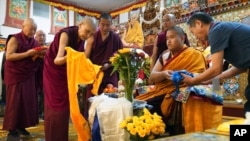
(40, 37)
(55, 78)
(160, 45)
(133, 37)
(198, 114)
(19, 76)
(101, 47)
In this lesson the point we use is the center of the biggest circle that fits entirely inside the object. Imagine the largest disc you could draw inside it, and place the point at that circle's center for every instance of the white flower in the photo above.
(138, 51)
(138, 81)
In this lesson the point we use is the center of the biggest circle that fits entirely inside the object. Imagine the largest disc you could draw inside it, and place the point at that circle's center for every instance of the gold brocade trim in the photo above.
(93, 13)
(127, 9)
(70, 7)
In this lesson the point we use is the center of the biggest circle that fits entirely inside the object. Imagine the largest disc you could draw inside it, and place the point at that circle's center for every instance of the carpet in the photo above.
(36, 133)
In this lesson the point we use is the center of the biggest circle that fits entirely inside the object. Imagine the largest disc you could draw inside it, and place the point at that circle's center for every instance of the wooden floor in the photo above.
(36, 133)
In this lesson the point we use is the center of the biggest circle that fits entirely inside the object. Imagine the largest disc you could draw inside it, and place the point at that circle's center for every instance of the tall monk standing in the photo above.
(55, 78)
(101, 47)
(19, 76)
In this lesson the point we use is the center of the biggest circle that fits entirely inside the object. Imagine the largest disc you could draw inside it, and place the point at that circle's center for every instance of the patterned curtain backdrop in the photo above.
(59, 19)
(16, 12)
(2, 44)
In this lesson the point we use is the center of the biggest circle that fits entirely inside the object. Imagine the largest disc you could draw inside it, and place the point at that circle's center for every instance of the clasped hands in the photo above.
(37, 52)
(187, 79)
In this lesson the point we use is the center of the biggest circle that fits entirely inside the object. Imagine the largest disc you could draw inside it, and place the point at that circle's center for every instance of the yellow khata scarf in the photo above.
(135, 34)
(80, 70)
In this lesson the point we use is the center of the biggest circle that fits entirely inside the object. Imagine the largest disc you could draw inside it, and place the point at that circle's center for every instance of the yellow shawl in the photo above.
(80, 70)
(135, 34)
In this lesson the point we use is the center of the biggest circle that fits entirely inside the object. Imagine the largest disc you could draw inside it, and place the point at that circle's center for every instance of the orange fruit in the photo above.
(109, 86)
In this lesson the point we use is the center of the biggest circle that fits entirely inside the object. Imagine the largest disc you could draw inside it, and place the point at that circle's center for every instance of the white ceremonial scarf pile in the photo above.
(110, 112)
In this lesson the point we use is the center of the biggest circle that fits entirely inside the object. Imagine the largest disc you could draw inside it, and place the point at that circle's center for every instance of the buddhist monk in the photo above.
(194, 115)
(160, 45)
(40, 37)
(55, 79)
(19, 77)
(101, 47)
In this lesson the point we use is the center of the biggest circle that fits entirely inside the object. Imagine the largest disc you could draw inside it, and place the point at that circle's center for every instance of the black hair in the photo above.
(105, 16)
(201, 16)
(178, 30)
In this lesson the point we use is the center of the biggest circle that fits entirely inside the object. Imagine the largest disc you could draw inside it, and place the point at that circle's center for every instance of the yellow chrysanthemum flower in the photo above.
(123, 124)
(133, 131)
(146, 111)
(124, 50)
(146, 126)
(130, 126)
(142, 133)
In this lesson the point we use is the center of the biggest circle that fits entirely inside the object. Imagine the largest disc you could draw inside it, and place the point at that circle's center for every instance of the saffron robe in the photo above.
(198, 114)
(135, 34)
(162, 45)
(100, 54)
(77, 63)
(21, 97)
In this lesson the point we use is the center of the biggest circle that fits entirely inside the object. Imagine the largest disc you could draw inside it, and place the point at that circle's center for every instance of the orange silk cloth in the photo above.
(80, 70)
(198, 115)
(135, 34)
(190, 60)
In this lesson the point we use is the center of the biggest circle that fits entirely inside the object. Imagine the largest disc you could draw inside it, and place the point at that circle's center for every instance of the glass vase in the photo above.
(129, 88)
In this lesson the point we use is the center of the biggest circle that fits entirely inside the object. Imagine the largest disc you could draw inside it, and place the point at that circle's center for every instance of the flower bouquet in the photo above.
(146, 126)
(128, 62)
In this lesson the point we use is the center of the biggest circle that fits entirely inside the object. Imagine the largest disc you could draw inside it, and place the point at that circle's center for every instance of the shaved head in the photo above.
(39, 32)
(40, 37)
(89, 21)
(29, 21)
(87, 28)
(29, 27)
(170, 16)
(168, 20)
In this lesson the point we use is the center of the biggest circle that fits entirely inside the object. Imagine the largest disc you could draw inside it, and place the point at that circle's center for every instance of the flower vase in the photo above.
(129, 88)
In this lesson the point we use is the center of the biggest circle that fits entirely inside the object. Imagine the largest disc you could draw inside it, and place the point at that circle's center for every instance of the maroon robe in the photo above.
(54, 76)
(162, 44)
(55, 86)
(101, 53)
(19, 77)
